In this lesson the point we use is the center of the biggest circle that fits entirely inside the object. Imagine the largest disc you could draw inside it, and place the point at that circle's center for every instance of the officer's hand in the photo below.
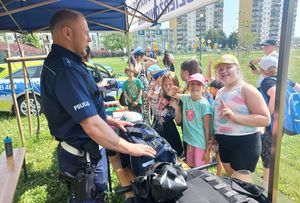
(122, 124)
(142, 150)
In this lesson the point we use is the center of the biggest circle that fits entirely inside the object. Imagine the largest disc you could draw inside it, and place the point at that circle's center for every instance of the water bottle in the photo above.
(8, 146)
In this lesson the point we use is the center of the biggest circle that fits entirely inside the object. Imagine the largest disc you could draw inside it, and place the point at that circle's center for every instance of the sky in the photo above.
(230, 18)
(297, 26)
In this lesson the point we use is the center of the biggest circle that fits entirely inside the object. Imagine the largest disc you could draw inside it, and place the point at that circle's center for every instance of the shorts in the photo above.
(241, 152)
(266, 142)
(194, 156)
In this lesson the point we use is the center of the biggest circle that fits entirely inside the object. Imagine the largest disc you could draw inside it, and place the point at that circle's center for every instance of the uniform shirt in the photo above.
(192, 120)
(68, 95)
(236, 102)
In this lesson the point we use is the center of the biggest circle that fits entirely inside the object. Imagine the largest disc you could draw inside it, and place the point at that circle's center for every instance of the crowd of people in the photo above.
(217, 112)
(220, 113)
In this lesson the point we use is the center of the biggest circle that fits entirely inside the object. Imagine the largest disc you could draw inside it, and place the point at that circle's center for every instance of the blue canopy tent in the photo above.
(33, 16)
(28, 16)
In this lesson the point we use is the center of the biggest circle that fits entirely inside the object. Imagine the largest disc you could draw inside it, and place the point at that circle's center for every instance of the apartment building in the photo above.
(155, 37)
(262, 17)
(190, 27)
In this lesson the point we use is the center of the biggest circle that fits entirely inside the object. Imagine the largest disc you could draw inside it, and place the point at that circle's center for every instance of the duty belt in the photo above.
(74, 151)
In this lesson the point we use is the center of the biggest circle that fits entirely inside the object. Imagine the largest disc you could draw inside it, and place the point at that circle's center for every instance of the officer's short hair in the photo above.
(63, 17)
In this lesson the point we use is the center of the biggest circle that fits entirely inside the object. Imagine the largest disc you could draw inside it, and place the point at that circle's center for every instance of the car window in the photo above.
(1, 69)
(34, 72)
(38, 72)
(104, 75)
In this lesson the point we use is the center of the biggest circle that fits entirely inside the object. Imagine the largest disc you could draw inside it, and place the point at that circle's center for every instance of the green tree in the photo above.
(216, 36)
(31, 40)
(223, 38)
(248, 40)
(115, 41)
(232, 40)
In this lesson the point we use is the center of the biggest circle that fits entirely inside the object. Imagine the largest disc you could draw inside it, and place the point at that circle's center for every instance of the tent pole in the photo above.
(25, 76)
(127, 44)
(139, 12)
(119, 10)
(27, 98)
(127, 35)
(16, 107)
(282, 73)
(135, 10)
(25, 8)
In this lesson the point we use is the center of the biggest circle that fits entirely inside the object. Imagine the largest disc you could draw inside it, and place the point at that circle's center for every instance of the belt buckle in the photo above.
(80, 153)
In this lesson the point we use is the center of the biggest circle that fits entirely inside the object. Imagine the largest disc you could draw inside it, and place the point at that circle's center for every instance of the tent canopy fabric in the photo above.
(27, 16)
(34, 15)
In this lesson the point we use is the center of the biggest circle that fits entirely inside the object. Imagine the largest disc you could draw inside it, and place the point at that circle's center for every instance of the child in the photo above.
(132, 89)
(155, 85)
(164, 113)
(239, 109)
(169, 61)
(187, 69)
(268, 67)
(196, 117)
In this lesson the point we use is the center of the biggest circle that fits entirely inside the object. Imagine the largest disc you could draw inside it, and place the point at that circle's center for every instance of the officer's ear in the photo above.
(67, 32)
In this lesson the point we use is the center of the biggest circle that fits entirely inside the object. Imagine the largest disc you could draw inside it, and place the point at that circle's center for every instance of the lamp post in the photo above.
(200, 38)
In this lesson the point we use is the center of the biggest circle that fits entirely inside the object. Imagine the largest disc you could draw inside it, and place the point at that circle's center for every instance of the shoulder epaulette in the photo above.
(67, 62)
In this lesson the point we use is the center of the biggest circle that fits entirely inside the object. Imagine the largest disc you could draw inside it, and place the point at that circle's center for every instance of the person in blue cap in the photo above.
(139, 64)
(140, 61)
(269, 48)
(155, 85)
(75, 111)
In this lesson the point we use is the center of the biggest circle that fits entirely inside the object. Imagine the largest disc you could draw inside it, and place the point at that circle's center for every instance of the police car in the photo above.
(6, 101)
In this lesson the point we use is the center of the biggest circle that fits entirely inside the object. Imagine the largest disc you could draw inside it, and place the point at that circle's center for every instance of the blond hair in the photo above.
(170, 76)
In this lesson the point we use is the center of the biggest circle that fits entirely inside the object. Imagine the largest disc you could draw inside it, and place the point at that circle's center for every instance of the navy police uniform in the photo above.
(68, 96)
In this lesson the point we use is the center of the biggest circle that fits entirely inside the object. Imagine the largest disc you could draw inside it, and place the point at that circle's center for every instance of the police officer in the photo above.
(72, 105)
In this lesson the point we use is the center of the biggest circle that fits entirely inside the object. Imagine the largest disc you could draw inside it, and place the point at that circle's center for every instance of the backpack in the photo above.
(291, 119)
(141, 133)
(193, 187)
(206, 187)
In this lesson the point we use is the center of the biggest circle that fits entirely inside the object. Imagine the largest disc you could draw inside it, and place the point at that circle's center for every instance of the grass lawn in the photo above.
(43, 184)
